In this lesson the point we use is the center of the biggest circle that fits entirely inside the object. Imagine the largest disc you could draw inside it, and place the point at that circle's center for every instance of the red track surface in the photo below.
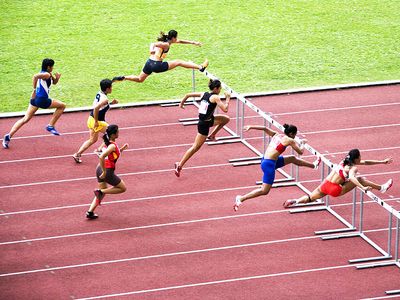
(178, 238)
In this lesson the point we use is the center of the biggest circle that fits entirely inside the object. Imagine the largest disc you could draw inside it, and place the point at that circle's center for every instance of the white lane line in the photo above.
(169, 224)
(351, 128)
(382, 297)
(190, 285)
(123, 174)
(328, 109)
(161, 196)
(86, 131)
(170, 254)
(89, 154)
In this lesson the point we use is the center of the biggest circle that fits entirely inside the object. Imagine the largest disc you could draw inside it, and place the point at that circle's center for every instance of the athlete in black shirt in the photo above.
(209, 101)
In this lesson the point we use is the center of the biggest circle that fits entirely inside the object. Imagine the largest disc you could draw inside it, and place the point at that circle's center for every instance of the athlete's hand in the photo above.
(103, 175)
(96, 124)
(388, 160)
(227, 95)
(114, 101)
(124, 147)
(181, 105)
(197, 44)
(33, 96)
(366, 188)
(303, 141)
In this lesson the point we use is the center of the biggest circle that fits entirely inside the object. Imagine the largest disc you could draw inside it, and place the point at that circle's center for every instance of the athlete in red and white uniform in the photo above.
(343, 178)
(105, 170)
(273, 159)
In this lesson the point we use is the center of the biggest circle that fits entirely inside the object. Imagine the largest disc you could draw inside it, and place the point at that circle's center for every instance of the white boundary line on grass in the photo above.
(166, 224)
(170, 254)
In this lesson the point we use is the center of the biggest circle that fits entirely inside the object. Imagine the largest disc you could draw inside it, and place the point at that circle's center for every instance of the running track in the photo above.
(178, 238)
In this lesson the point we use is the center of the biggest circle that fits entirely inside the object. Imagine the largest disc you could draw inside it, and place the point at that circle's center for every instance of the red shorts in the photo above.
(331, 189)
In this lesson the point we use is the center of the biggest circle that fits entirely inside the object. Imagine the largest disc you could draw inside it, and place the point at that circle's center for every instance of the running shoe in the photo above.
(99, 195)
(237, 203)
(52, 130)
(316, 163)
(177, 169)
(386, 185)
(118, 78)
(77, 158)
(289, 203)
(6, 141)
(91, 215)
(204, 65)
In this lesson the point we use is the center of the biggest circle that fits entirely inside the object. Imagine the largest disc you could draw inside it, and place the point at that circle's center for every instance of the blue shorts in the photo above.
(268, 166)
(41, 102)
(155, 66)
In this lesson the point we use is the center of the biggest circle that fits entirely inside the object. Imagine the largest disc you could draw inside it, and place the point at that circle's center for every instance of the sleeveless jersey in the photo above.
(276, 143)
(111, 159)
(43, 87)
(339, 169)
(102, 111)
(206, 109)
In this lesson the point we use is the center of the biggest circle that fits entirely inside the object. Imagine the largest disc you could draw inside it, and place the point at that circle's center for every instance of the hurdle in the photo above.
(325, 168)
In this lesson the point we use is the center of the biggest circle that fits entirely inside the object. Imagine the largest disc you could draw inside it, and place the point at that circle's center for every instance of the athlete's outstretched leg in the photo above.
(198, 142)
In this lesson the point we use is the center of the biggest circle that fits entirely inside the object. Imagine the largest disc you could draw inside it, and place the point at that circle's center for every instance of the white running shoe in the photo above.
(237, 203)
(386, 186)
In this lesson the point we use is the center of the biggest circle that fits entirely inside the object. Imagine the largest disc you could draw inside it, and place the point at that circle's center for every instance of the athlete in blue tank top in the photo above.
(40, 99)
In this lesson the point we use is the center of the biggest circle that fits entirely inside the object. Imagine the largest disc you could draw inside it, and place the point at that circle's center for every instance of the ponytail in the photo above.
(167, 37)
(290, 129)
(111, 129)
(351, 157)
(212, 84)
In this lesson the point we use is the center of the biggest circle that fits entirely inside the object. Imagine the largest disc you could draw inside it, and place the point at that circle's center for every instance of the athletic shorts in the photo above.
(268, 166)
(90, 124)
(41, 102)
(330, 188)
(155, 66)
(203, 127)
(110, 178)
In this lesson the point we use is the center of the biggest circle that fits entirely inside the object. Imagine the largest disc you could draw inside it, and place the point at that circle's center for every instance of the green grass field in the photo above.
(252, 45)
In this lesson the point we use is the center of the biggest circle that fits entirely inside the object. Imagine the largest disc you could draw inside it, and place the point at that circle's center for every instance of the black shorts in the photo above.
(155, 66)
(41, 102)
(203, 127)
(110, 178)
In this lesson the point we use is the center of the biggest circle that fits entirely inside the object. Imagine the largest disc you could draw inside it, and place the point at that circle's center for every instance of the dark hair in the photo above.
(47, 62)
(165, 37)
(111, 129)
(212, 84)
(105, 84)
(290, 129)
(351, 157)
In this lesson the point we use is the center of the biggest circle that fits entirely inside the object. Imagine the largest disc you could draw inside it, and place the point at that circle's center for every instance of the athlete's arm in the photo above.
(298, 148)
(388, 160)
(353, 178)
(221, 105)
(266, 129)
(35, 79)
(103, 155)
(188, 42)
(96, 111)
(187, 96)
(55, 78)
(124, 147)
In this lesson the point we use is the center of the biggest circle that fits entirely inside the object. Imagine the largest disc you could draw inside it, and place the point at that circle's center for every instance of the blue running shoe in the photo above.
(52, 130)
(6, 141)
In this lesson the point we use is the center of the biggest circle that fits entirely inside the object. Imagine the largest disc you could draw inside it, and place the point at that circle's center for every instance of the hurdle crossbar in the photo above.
(330, 165)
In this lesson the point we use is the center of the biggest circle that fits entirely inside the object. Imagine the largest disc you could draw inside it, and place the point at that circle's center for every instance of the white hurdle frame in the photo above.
(325, 163)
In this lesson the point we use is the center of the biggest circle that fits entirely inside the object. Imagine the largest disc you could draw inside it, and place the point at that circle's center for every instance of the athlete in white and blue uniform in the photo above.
(40, 99)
